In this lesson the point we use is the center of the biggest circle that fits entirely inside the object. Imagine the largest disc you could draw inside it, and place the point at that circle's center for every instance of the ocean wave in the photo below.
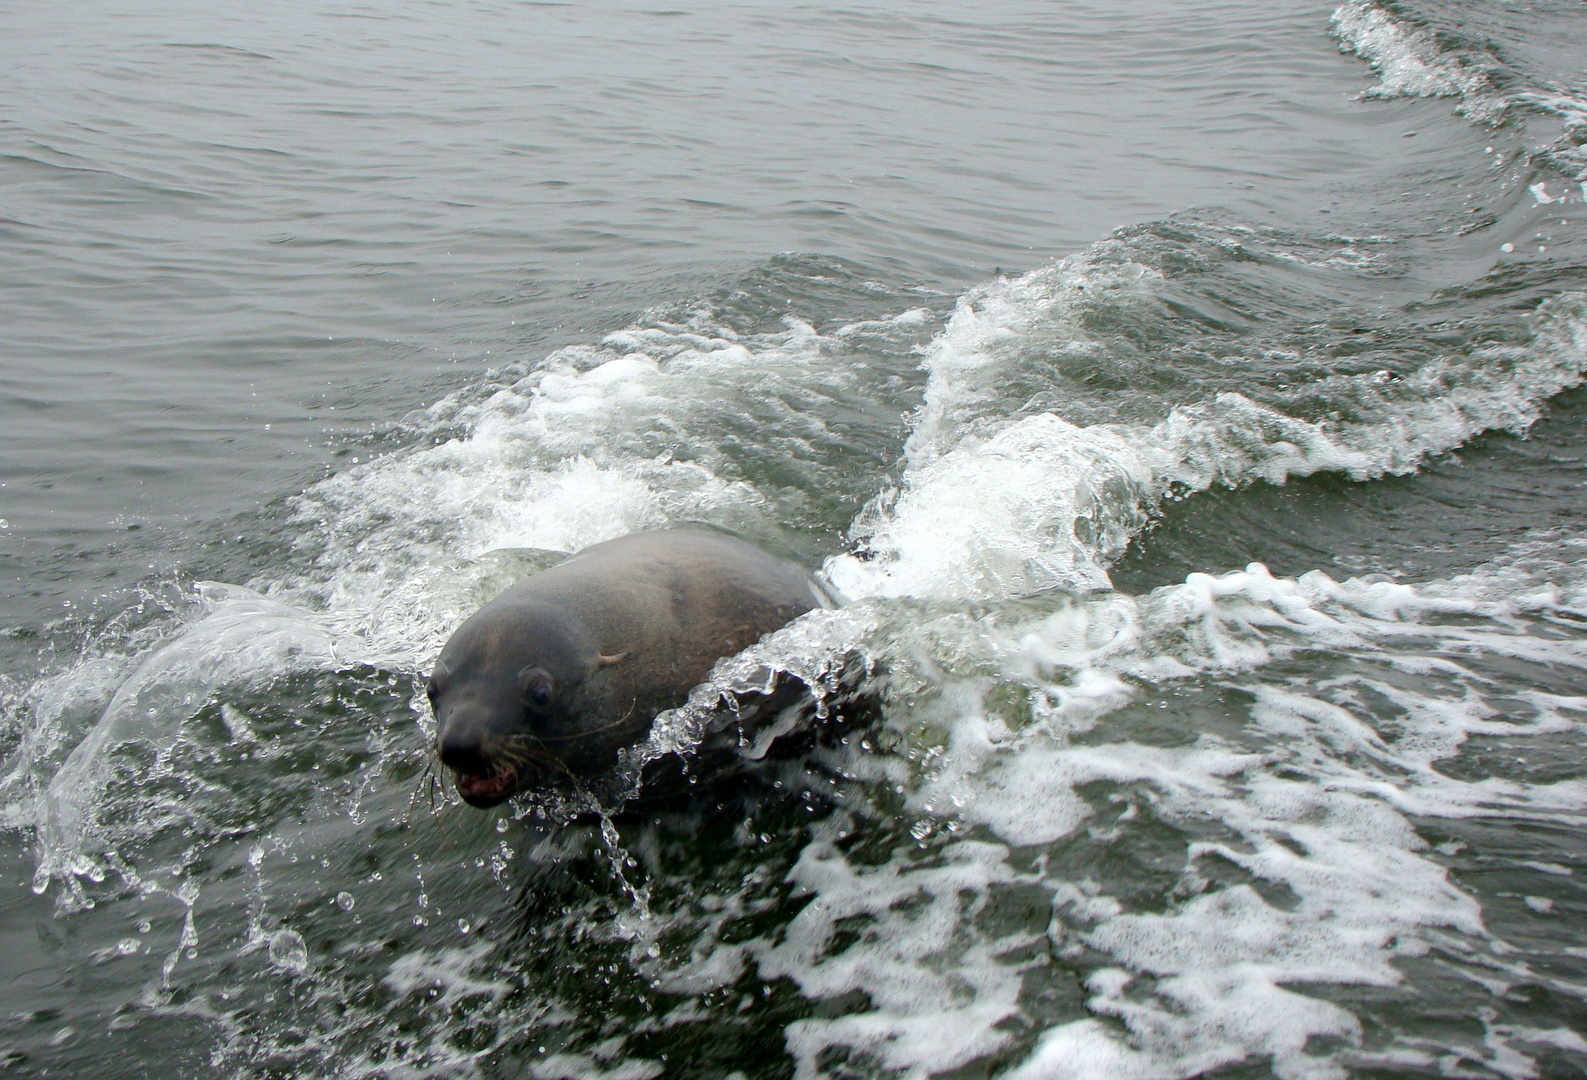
(1411, 63)
(1308, 785)
(992, 508)
(594, 443)
(1458, 60)
(659, 424)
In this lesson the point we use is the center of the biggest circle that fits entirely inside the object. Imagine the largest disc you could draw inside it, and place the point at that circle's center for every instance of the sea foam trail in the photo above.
(1409, 62)
(1308, 788)
(995, 507)
(594, 443)
(659, 424)
(588, 447)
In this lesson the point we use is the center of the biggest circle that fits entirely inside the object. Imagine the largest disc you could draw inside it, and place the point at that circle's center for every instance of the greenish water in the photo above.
(1186, 400)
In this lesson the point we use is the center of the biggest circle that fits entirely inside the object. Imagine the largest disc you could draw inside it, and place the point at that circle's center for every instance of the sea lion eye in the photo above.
(537, 689)
(431, 689)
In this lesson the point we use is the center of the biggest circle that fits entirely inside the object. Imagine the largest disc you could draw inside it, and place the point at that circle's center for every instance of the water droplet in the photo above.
(344, 900)
(127, 946)
(463, 927)
(145, 926)
(288, 951)
(653, 951)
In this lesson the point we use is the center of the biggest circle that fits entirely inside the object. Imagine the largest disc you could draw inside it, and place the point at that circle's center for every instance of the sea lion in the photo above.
(567, 667)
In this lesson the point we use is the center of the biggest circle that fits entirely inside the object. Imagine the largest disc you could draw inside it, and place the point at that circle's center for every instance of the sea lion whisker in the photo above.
(522, 748)
(595, 730)
(413, 800)
(437, 788)
(515, 750)
(428, 783)
(543, 756)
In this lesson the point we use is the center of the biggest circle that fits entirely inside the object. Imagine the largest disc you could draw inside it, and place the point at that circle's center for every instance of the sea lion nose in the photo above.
(462, 749)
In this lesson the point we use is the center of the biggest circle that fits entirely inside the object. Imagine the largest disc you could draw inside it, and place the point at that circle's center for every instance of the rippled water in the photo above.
(1186, 398)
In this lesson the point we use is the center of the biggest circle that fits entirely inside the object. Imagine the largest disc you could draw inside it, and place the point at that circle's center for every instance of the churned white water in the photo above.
(984, 353)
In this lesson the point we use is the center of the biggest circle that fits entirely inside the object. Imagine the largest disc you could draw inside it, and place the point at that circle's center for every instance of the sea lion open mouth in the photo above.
(487, 788)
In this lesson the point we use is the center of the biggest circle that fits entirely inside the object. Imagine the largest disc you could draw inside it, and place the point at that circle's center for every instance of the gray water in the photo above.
(1184, 397)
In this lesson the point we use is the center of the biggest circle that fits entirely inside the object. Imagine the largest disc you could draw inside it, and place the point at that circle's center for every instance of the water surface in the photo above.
(1186, 400)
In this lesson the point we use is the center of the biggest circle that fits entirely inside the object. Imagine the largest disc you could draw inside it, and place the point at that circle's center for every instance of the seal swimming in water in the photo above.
(569, 666)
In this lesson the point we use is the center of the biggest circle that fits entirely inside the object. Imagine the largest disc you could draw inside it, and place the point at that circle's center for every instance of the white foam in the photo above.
(445, 976)
(1313, 802)
(1410, 63)
(1000, 325)
(584, 1067)
(991, 509)
(594, 443)
(241, 636)
(936, 992)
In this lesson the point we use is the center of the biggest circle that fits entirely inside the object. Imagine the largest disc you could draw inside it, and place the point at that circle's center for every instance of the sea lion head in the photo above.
(518, 699)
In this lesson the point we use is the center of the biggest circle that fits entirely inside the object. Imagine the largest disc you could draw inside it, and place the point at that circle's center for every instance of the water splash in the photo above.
(1008, 508)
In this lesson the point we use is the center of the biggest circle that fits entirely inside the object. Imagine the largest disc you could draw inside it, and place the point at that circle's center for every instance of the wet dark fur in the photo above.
(558, 674)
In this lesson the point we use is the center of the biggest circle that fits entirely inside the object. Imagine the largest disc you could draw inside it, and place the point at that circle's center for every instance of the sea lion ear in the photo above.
(432, 685)
(602, 660)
